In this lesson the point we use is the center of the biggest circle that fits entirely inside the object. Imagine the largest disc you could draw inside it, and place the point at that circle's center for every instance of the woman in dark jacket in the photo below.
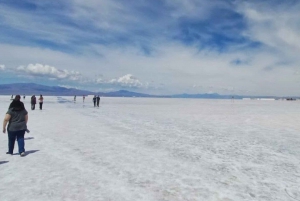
(16, 117)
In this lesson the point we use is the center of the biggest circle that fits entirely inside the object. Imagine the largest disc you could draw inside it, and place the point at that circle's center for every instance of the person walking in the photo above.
(75, 98)
(17, 98)
(33, 102)
(16, 117)
(94, 100)
(98, 100)
(41, 100)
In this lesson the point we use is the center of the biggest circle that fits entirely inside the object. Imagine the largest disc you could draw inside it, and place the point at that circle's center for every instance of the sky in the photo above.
(158, 47)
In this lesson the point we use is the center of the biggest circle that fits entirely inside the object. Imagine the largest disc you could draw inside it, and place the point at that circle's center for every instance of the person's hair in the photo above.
(17, 97)
(17, 105)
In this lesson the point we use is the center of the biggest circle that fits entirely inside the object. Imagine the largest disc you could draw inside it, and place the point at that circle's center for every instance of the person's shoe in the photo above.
(9, 153)
(22, 154)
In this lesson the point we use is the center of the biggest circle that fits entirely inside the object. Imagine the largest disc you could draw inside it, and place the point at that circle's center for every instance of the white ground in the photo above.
(135, 149)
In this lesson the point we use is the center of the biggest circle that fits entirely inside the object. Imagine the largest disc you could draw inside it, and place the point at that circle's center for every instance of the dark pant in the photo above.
(98, 103)
(32, 106)
(41, 106)
(12, 135)
(94, 103)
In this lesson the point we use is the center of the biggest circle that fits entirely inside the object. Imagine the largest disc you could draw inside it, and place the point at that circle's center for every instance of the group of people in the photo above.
(96, 99)
(16, 117)
(33, 102)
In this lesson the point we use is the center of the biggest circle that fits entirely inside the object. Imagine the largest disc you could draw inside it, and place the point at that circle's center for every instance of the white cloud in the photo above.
(2, 67)
(127, 81)
(70, 87)
(49, 71)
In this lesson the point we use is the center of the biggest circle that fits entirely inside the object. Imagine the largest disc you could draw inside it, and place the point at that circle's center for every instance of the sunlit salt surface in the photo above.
(146, 149)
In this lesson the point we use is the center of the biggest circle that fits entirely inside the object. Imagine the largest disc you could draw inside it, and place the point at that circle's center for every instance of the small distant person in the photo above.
(94, 100)
(74, 98)
(41, 100)
(12, 97)
(83, 98)
(98, 100)
(16, 117)
(33, 102)
(24, 97)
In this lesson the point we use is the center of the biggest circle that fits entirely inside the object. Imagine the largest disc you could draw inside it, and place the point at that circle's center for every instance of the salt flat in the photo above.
(144, 149)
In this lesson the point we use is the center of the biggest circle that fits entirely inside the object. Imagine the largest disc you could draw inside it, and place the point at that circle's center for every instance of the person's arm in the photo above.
(26, 118)
(5, 121)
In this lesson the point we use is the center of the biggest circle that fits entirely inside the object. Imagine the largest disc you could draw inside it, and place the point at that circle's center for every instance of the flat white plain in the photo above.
(144, 149)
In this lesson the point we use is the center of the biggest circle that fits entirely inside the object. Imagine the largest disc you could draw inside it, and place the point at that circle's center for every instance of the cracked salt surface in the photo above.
(155, 149)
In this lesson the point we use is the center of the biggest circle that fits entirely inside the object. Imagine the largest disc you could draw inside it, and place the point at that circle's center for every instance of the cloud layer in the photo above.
(194, 46)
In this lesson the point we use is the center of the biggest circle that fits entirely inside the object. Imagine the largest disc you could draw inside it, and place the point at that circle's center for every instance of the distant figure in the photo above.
(83, 98)
(94, 100)
(24, 97)
(74, 98)
(33, 102)
(17, 118)
(12, 97)
(98, 100)
(41, 100)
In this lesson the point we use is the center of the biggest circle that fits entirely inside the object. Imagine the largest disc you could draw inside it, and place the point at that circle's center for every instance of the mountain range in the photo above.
(36, 89)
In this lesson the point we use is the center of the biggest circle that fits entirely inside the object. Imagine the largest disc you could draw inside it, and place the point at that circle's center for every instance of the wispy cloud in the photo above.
(274, 25)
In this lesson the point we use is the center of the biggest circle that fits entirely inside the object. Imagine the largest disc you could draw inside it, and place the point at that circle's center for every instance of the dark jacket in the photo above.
(33, 100)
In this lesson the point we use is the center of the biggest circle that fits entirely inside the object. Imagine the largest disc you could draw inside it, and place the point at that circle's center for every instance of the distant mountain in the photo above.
(36, 89)
(124, 93)
(208, 96)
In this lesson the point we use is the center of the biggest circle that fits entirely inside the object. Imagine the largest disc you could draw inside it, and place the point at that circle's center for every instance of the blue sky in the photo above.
(158, 47)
